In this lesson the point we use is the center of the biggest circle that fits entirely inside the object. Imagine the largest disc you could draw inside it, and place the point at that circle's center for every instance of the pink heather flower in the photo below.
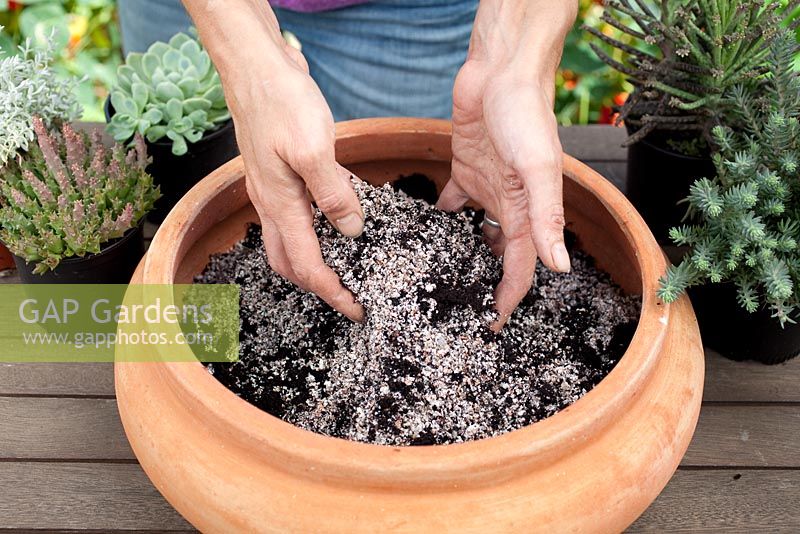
(141, 150)
(62, 201)
(130, 158)
(42, 191)
(62, 180)
(77, 213)
(125, 219)
(80, 177)
(107, 226)
(98, 160)
(114, 171)
(18, 197)
(76, 149)
(45, 142)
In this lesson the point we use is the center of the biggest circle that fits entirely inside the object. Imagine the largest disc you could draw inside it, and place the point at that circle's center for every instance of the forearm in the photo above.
(524, 37)
(234, 32)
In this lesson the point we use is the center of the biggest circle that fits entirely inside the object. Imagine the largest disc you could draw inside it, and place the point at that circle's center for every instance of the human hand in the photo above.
(285, 132)
(507, 156)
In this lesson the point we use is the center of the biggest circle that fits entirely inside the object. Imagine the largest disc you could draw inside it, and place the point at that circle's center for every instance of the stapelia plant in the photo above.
(172, 91)
(69, 195)
(684, 55)
(28, 87)
(747, 220)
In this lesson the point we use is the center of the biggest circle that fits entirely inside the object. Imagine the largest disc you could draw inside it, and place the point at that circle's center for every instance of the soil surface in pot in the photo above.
(423, 368)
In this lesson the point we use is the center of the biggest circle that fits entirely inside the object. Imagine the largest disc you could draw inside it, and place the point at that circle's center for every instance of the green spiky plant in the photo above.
(172, 91)
(686, 55)
(746, 220)
(69, 195)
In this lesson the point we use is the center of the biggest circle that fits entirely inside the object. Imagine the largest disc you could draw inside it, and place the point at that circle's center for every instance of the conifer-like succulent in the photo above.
(28, 87)
(746, 220)
(685, 55)
(68, 195)
(172, 90)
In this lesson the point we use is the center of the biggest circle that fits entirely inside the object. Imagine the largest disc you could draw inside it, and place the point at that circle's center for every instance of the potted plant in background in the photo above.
(71, 210)
(28, 87)
(172, 95)
(746, 222)
(681, 58)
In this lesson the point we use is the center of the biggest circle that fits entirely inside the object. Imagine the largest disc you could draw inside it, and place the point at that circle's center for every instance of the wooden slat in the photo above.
(113, 497)
(736, 435)
(596, 142)
(613, 171)
(725, 501)
(104, 497)
(47, 428)
(71, 379)
(729, 381)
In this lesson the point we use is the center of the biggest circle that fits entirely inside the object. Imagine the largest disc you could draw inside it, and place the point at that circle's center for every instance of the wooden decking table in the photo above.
(66, 466)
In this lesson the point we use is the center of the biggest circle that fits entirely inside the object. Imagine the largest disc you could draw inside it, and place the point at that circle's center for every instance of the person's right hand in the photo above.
(286, 134)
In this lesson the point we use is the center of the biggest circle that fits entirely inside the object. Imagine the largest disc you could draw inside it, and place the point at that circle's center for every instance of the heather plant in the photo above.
(28, 88)
(746, 221)
(69, 194)
(686, 55)
(172, 90)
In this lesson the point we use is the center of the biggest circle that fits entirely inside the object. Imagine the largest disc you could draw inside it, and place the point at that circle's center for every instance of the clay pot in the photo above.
(594, 467)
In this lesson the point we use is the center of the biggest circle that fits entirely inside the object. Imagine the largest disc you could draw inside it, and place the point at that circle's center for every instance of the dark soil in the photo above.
(423, 368)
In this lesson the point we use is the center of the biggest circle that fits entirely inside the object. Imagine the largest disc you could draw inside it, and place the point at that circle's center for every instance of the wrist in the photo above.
(524, 38)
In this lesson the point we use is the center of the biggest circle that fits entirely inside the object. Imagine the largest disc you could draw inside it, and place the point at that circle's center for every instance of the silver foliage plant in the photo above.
(28, 88)
(172, 91)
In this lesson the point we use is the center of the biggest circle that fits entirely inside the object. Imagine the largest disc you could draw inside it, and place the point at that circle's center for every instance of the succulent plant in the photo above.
(28, 87)
(172, 90)
(683, 55)
(69, 194)
(745, 222)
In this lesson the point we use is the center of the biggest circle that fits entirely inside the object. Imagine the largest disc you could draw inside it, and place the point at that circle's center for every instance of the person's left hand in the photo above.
(507, 157)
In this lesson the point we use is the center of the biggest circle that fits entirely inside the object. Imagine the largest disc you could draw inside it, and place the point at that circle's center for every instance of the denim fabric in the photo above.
(383, 58)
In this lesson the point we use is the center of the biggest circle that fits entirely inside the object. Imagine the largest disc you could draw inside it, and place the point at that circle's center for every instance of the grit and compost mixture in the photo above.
(423, 368)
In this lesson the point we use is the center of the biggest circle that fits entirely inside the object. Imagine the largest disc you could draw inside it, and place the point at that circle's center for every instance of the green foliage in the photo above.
(86, 43)
(68, 195)
(28, 88)
(746, 221)
(687, 55)
(587, 90)
(172, 90)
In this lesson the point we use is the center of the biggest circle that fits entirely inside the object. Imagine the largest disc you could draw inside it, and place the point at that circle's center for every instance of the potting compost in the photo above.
(424, 367)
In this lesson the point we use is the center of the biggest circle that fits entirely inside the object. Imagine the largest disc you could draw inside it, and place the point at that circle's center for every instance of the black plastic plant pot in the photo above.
(114, 264)
(175, 175)
(738, 335)
(659, 179)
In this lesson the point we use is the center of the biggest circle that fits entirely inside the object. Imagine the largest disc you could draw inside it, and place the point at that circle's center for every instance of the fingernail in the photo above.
(560, 257)
(350, 225)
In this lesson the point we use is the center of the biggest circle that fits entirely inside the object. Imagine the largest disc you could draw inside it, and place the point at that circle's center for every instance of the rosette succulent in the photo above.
(69, 194)
(172, 90)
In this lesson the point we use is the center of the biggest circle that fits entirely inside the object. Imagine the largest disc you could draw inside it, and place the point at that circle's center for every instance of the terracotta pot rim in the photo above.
(543, 441)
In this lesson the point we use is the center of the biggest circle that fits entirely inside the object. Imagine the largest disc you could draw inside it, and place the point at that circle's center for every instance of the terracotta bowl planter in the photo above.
(593, 467)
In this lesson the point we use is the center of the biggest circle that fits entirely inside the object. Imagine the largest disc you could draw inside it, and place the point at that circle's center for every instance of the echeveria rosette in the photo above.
(69, 195)
(172, 90)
